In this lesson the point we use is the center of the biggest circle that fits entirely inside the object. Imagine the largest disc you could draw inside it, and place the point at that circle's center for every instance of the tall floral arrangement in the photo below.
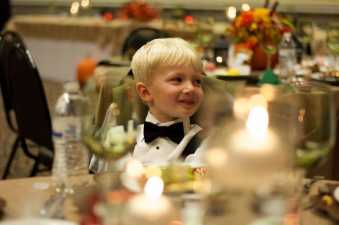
(259, 26)
(139, 10)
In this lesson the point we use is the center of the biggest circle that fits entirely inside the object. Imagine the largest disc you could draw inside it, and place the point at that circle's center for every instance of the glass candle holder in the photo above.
(250, 157)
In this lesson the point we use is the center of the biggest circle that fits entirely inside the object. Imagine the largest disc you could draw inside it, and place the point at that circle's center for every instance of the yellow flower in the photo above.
(261, 14)
(253, 27)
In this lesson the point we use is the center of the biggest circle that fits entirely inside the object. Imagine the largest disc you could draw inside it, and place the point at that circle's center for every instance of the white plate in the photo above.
(36, 221)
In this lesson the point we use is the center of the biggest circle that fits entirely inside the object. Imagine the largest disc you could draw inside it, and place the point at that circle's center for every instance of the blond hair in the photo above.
(163, 52)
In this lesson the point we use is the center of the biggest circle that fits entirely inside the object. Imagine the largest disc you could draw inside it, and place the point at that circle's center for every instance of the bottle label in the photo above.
(67, 128)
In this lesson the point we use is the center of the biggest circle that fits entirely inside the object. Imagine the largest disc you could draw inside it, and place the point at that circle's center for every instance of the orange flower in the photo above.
(246, 18)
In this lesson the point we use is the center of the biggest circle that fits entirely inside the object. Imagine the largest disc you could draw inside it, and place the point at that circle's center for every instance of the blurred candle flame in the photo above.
(154, 188)
(245, 7)
(85, 3)
(74, 8)
(257, 122)
(219, 59)
(256, 137)
(231, 12)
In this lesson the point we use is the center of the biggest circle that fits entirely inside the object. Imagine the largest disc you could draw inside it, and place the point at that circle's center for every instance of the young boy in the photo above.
(168, 75)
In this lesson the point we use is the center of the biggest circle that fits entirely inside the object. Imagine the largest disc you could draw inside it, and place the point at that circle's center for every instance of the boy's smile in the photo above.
(173, 92)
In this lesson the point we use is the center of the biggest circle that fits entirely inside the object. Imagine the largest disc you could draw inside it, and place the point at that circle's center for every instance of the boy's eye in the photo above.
(197, 82)
(177, 79)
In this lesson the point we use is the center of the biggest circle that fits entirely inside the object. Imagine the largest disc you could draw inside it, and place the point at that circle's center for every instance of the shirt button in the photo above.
(157, 147)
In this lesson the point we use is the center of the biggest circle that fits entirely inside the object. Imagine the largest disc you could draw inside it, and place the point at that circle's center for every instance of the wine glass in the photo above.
(315, 124)
(332, 40)
(270, 49)
(109, 127)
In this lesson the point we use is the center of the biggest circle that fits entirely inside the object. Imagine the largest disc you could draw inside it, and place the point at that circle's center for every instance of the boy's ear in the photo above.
(143, 92)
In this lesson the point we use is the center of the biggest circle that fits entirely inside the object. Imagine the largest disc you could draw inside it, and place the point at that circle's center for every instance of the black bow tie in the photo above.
(175, 132)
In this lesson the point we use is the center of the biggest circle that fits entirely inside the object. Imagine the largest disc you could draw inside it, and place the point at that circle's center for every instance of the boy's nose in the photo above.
(188, 87)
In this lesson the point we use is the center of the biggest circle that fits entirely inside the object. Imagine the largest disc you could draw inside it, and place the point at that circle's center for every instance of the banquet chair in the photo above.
(138, 38)
(8, 37)
(24, 96)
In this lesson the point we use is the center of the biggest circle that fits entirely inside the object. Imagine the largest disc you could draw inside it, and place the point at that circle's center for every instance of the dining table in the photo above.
(25, 197)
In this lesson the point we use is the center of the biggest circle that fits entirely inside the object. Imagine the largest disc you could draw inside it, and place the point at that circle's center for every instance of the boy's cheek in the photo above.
(201, 97)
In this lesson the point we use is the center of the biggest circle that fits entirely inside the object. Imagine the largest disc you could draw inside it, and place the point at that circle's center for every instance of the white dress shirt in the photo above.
(162, 150)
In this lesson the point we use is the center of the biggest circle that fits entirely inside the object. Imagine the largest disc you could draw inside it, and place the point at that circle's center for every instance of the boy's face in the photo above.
(174, 92)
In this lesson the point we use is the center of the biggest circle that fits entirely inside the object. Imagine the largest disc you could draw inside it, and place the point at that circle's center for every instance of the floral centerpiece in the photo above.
(139, 10)
(259, 27)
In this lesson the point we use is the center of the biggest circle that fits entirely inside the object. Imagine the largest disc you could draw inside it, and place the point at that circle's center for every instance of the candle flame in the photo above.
(257, 122)
(85, 3)
(154, 187)
(218, 59)
(245, 7)
(74, 8)
(231, 12)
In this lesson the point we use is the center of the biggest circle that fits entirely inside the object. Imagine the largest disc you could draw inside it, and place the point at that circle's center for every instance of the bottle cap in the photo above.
(71, 86)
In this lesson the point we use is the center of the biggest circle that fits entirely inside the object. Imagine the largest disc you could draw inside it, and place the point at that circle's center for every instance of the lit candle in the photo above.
(256, 138)
(248, 150)
(252, 152)
(257, 150)
(151, 207)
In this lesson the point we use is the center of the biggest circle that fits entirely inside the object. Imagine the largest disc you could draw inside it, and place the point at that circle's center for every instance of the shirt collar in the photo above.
(150, 118)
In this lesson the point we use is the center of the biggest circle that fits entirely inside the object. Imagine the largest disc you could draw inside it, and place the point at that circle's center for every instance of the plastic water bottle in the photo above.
(287, 57)
(71, 156)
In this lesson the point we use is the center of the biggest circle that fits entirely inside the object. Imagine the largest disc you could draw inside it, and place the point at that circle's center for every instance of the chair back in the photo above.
(23, 92)
(138, 38)
(7, 40)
